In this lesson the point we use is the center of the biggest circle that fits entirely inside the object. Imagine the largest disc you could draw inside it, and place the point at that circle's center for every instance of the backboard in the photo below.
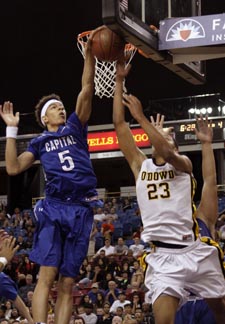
(133, 18)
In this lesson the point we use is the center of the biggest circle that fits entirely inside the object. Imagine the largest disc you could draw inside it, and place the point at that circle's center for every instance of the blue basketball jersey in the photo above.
(8, 288)
(66, 161)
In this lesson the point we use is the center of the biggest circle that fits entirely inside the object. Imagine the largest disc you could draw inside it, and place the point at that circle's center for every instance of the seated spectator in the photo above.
(89, 316)
(119, 312)
(106, 317)
(121, 248)
(120, 302)
(127, 311)
(137, 247)
(100, 300)
(112, 214)
(100, 215)
(29, 286)
(88, 275)
(126, 204)
(148, 313)
(108, 248)
(123, 281)
(115, 204)
(107, 228)
(136, 302)
(78, 320)
(98, 274)
(94, 292)
(101, 255)
(137, 277)
(112, 292)
(9, 305)
(117, 320)
(85, 299)
(138, 315)
(104, 283)
(112, 265)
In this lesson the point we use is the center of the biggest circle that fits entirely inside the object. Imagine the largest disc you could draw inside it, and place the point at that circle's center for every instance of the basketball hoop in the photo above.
(105, 72)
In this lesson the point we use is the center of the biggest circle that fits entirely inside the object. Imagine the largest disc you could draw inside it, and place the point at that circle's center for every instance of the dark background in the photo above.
(39, 56)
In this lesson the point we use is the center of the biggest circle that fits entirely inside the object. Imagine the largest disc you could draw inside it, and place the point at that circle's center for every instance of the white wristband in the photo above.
(11, 131)
(3, 260)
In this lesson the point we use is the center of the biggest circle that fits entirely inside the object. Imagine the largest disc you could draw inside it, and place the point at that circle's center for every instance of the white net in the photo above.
(105, 72)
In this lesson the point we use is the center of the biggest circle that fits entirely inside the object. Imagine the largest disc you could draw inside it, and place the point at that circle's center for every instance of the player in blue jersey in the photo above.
(179, 263)
(64, 218)
(8, 288)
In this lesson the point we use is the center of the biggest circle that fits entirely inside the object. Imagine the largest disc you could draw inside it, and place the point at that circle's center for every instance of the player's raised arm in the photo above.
(14, 164)
(84, 100)
(208, 208)
(126, 141)
(161, 141)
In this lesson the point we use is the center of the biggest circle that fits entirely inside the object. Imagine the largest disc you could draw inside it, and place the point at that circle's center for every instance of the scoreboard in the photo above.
(185, 134)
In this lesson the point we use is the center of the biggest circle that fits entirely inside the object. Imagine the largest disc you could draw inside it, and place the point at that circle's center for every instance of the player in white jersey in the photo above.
(180, 263)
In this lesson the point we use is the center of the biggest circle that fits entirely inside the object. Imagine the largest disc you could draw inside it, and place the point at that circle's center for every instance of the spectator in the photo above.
(29, 286)
(121, 248)
(112, 292)
(106, 317)
(100, 299)
(126, 205)
(107, 228)
(112, 266)
(78, 320)
(85, 300)
(104, 284)
(119, 312)
(137, 277)
(89, 316)
(120, 302)
(100, 215)
(94, 292)
(99, 274)
(112, 214)
(108, 248)
(8, 305)
(123, 280)
(117, 320)
(137, 247)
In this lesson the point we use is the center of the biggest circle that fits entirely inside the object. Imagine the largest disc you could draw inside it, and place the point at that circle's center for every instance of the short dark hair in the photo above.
(41, 103)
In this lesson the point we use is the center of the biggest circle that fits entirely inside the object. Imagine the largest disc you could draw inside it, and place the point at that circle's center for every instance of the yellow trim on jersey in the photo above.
(211, 242)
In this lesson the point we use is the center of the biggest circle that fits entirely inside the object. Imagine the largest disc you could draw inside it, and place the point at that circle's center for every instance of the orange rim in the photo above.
(81, 36)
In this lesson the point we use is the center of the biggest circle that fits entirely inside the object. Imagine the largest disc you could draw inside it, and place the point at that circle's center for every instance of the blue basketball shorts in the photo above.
(62, 234)
(195, 312)
(8, 288)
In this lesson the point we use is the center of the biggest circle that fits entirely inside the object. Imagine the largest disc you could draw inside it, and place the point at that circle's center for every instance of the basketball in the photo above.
(107, 45)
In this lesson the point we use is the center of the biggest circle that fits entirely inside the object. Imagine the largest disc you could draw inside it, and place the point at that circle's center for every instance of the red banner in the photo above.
(107, 140)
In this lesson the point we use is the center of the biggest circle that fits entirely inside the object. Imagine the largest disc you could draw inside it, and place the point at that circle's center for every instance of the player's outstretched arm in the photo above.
(157, 138)
(126, 141)
(14, 164)
(84, 100)
(208, 208)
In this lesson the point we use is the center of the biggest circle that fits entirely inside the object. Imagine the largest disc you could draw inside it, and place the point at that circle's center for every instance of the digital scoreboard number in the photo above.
(185, 134)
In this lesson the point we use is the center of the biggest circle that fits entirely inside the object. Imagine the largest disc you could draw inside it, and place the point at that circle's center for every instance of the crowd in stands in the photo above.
(110, 286)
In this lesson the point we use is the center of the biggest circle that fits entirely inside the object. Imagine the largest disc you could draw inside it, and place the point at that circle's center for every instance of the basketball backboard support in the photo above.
(132, 19)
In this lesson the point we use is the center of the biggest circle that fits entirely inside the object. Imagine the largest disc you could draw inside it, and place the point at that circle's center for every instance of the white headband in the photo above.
(45, 107)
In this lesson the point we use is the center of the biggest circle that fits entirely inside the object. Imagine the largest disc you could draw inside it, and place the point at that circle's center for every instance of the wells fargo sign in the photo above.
(108, 141)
